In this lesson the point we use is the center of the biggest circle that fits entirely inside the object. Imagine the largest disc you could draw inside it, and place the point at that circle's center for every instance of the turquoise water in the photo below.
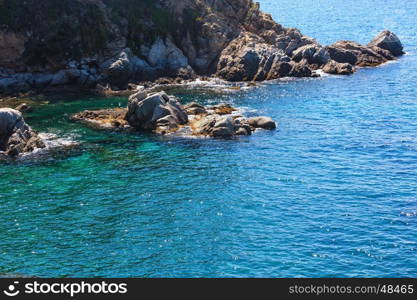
(333, 192)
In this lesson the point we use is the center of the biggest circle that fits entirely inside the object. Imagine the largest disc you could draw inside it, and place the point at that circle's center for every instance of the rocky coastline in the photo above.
(131, 47)
(163, 42)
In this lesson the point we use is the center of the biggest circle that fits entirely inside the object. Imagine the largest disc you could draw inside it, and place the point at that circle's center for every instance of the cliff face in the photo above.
(84, 42)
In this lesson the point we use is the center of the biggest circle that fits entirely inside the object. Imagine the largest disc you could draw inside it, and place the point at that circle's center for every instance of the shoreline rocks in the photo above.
(164, 41)
(17, 137)
(164, 115)
(346, 56)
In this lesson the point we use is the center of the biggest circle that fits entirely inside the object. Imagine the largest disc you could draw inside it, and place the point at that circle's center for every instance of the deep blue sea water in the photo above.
(332, 193)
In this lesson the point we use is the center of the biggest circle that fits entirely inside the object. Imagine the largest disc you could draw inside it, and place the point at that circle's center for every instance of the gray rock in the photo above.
(13, 84)
(355, 54)
(215, 126)
(118, 70)
(249, 58)
(384, 53)
(145, 111)
(164, 54)
(222, 132)
(16, 136)
(388, 41)
(221, 126)
(262, 122)
(342, 55)
(313, 53)
(242, 127)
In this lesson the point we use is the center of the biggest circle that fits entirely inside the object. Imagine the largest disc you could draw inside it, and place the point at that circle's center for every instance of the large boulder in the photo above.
(146, 111)
(16, 136)
(165, 55)
(250, 58)
(388, 41)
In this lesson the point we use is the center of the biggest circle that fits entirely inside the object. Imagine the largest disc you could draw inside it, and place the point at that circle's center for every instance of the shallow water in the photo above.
(332, 193)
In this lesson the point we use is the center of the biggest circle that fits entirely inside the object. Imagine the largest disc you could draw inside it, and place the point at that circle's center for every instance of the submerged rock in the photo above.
(17, 137)
(113, 119)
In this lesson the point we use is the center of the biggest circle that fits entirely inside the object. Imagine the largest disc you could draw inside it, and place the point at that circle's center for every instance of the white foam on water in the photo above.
(52, 141)
(322, 73)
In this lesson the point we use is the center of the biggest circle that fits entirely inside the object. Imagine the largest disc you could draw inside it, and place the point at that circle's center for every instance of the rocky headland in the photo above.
(107, 44)
(163, 114)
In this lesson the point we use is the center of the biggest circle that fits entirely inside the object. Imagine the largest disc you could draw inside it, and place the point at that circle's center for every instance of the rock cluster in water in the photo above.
(16, 137)
(251, 58)
(104, 42)
(163, 114)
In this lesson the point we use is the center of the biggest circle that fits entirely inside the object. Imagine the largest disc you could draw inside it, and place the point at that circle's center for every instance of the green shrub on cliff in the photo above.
(62, 30)
(58, 30)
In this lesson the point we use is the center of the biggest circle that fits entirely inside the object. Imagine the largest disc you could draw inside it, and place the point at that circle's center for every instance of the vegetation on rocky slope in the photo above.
(89, 42)
(58, 30)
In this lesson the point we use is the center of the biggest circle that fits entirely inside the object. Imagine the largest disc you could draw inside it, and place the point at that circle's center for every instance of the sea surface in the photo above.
(332, 193)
